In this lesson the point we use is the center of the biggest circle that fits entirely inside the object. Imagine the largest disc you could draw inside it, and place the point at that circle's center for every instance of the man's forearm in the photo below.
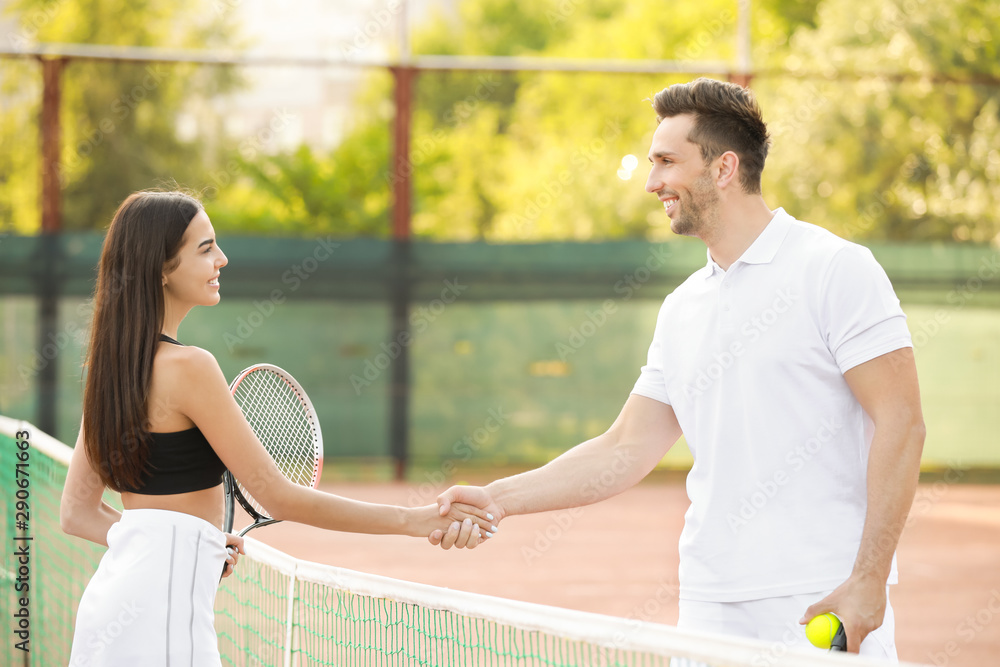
(590, 472)
(893, 473)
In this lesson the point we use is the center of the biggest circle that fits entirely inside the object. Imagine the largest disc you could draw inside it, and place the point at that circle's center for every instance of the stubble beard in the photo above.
(699, 211)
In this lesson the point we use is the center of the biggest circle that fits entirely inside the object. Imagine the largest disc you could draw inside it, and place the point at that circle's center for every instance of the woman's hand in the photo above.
(463, 527)
(234, 547)
(460, 501)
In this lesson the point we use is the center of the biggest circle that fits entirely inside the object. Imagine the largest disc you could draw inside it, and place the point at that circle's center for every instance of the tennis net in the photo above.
(278, 611)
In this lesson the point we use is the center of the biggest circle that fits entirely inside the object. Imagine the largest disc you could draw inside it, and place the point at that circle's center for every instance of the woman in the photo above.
(160, 426)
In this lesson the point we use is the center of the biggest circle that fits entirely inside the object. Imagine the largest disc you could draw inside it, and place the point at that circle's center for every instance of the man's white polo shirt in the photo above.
(752, 362)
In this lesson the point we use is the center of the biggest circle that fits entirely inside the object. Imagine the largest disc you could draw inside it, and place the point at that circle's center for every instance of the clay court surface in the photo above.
(620, 558)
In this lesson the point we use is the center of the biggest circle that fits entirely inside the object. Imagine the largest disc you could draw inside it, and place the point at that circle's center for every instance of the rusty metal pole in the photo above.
(402, 188)
(402, 168)
(744, 60)
(51, 131)
(49, 344)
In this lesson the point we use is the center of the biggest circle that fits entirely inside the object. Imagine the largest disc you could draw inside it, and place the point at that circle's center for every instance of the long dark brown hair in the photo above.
(141, 244)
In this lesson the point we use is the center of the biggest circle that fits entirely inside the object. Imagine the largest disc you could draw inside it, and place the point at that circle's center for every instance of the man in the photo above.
(787, 364)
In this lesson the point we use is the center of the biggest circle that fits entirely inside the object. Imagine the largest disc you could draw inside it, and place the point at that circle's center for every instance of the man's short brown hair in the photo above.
(726, 118)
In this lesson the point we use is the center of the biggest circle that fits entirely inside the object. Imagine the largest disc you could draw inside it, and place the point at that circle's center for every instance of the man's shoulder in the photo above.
(817, 247)
(809, 237)
(827, 258)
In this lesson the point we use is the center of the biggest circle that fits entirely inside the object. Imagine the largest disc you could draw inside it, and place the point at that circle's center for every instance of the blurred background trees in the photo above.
(911, 155)
(119, 120)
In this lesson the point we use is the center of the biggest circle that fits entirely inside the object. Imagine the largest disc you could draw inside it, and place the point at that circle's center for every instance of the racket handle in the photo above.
(839, 641)
(229, 550)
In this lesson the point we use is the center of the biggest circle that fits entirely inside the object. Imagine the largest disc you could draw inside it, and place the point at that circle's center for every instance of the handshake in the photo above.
(467, 509)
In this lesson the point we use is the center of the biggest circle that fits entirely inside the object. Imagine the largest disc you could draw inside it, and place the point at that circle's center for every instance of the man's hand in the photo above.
(886, 387)
(469, 499)
(474, 496)
(860, 606)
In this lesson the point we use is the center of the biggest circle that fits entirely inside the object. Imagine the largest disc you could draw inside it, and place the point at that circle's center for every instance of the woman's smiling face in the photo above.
(194, 280)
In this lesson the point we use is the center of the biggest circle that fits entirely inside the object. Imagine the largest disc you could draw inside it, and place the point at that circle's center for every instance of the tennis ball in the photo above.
(821, 630)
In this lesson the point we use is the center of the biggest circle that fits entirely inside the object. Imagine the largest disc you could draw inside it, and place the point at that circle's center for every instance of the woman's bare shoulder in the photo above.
(183, 359)
(182, 376)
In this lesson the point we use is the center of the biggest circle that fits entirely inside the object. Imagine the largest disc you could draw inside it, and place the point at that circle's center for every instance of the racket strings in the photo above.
(284, 425)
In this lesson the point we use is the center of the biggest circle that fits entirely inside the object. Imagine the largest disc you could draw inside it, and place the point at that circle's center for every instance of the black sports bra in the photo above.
(180, 462)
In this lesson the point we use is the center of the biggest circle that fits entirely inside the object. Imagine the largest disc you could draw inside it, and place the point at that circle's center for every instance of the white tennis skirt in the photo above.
(151, 600)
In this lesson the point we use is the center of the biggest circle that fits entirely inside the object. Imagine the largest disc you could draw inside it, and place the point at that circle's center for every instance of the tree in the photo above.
(540, 157)
(301, 192)
(876, 159)
(519, 156)
(119, 119)
(525, 155)
(20, 90)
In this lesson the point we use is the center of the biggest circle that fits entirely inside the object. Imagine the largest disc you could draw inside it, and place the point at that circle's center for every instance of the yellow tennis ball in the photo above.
(821, 630)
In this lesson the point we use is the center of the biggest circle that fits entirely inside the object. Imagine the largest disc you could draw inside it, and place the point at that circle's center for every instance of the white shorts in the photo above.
(151, 601)
(776, 620)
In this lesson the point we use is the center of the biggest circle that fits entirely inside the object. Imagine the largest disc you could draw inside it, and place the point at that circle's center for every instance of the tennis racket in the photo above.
(839, 641)
(284, 420)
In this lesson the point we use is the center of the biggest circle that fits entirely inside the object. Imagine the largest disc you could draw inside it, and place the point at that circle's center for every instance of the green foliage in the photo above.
(874, 159)
(302, 193)
(501, 27)
(119, 120)
(508, 156)
(537, 155)
(20, 90)
(346, 192)
(773, 24)
(515, 156)
(526, 155)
